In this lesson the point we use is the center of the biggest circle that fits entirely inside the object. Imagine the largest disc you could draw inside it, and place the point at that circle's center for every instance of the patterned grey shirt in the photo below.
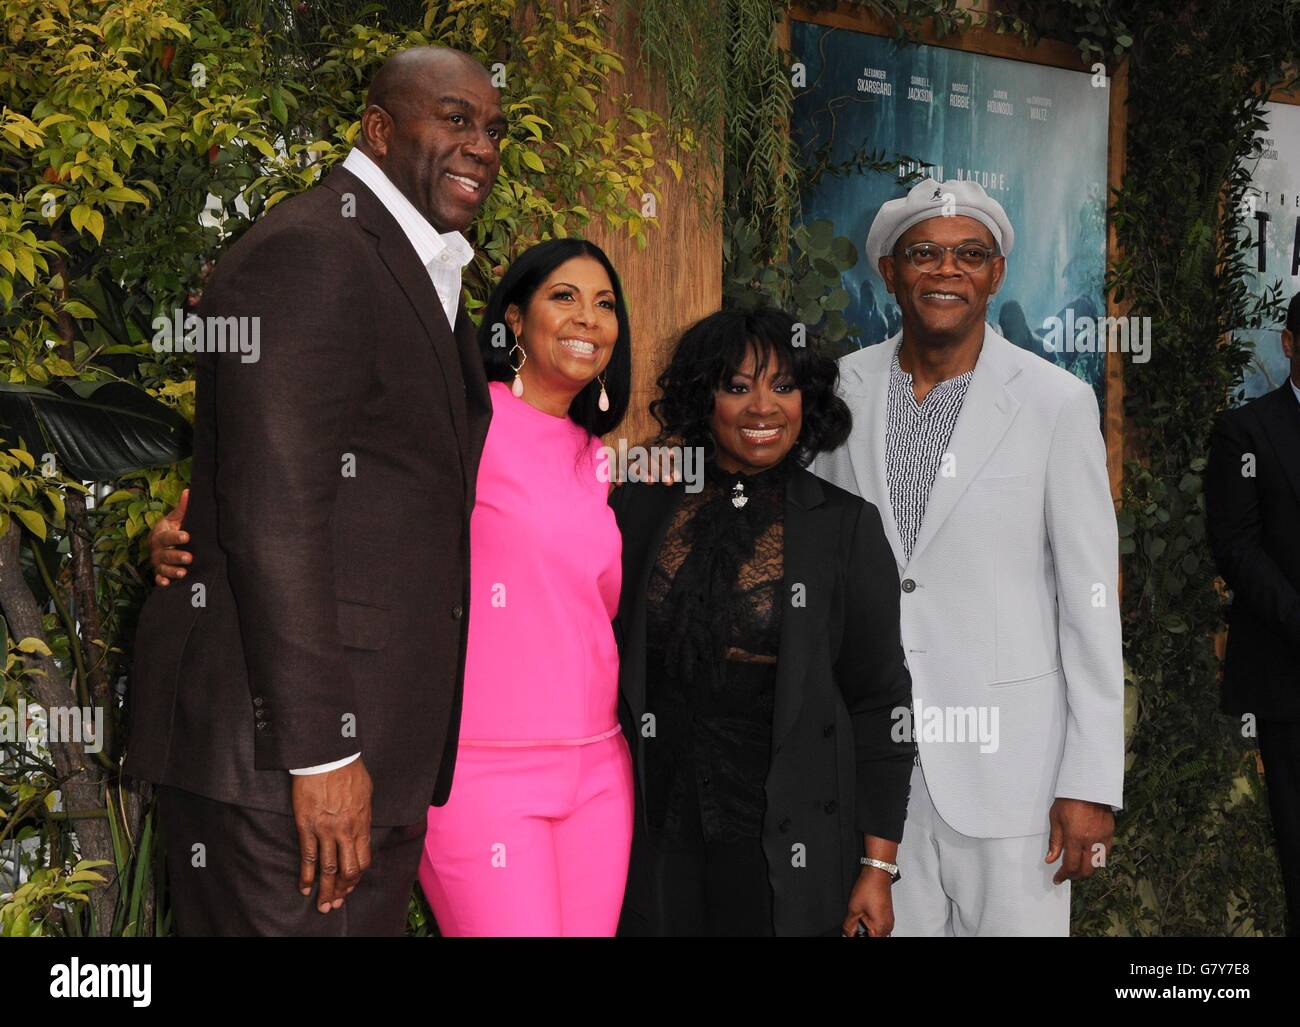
(916, 438)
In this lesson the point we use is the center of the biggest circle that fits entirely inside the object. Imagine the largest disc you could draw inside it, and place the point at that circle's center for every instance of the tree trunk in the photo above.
(81, 780)
(81, 542)
(82, 547)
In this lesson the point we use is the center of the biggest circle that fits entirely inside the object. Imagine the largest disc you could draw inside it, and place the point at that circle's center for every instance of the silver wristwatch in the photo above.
(890, 868)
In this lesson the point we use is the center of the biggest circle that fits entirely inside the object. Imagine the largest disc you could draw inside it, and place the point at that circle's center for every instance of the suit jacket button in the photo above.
(261, 724)
(258, 714)
(784, 825)
(457, 612)
(828, 730)
(831, 806)
(909, 585)
(257, 701)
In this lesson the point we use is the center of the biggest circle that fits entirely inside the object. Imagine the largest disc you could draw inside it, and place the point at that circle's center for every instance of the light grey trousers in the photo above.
(953, 885)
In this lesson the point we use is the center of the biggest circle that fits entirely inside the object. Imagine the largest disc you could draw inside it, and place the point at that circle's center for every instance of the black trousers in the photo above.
(233, 871)
(693, 887)
(1279, 744)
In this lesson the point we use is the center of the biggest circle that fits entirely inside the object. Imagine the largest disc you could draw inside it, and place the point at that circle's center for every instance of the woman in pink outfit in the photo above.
(534, 839)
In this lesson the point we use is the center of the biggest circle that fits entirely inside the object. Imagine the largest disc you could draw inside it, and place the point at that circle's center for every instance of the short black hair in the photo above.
(524, 277)
(713, 349)
(1293, 317)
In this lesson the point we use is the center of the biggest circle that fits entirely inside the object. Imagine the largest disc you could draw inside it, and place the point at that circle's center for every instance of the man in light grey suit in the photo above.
(989, 470)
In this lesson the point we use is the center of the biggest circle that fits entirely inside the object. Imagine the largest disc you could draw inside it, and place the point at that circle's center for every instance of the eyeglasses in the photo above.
(928, 256)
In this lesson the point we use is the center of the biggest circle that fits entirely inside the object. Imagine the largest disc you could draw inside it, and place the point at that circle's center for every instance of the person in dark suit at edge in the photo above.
(1252, 506)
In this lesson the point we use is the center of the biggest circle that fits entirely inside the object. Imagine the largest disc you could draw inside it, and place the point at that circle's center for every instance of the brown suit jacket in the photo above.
(325, 611)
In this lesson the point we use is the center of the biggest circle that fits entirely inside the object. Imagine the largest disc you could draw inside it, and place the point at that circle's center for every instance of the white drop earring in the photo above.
(517, 386)
(603, 402)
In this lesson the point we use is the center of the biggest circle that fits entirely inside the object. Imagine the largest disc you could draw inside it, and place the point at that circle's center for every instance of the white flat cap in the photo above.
(931, 199)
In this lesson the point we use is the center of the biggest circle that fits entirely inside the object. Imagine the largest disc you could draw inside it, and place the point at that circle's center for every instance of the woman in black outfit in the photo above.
(762, 673)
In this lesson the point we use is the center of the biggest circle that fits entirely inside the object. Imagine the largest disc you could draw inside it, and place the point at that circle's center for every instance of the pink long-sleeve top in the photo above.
(541, 664)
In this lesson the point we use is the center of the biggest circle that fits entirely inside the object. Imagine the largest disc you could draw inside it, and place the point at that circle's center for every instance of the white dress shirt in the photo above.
(443, 255)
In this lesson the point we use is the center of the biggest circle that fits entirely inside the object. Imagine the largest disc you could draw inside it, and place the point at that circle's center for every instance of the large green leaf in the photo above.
(96, 430)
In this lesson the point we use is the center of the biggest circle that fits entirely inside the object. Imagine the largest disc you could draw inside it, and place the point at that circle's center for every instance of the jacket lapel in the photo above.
(478, 401)
(986, 414)
(648, 519)
(868, 397)
(807, 563)
(399, 257)
(1281, 419)
(657, 511)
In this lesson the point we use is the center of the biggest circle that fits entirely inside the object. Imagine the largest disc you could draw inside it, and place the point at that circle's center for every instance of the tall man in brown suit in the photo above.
(296, 702)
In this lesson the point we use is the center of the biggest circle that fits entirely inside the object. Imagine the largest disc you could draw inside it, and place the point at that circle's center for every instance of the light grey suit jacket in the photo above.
(1010, 600)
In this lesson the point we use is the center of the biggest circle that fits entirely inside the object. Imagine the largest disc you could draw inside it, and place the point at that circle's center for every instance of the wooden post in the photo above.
(677, 278)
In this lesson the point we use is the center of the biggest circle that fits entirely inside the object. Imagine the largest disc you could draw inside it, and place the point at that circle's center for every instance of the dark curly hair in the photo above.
(713, 349)
(523, 278)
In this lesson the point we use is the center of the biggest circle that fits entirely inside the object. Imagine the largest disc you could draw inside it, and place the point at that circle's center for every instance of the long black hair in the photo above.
(525, 276)
(713, 349)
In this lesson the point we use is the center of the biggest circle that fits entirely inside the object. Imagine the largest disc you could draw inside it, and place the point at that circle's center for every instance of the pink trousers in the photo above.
(533, 841)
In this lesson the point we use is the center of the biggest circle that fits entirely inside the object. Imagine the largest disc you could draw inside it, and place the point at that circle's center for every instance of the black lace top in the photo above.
(713, 622)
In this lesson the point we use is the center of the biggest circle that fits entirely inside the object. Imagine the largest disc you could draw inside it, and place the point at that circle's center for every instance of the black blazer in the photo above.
(836, 774)
(362, 422)
(1254, 530)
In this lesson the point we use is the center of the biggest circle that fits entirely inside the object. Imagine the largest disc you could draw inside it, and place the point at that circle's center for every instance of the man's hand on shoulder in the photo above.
(166, 557)
(332, 813)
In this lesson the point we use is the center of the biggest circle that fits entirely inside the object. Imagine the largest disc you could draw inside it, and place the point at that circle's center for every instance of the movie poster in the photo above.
(1034, 137)
(1273, 220)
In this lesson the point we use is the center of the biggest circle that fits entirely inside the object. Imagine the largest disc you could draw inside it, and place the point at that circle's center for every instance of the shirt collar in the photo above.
(769, 477)
(1295, 388)
(897, 373)
(430, 245)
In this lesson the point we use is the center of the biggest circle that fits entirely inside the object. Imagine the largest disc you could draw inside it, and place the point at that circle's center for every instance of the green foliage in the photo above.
(732, 84)
(27, 495)
(808, 283)
(26, 914)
